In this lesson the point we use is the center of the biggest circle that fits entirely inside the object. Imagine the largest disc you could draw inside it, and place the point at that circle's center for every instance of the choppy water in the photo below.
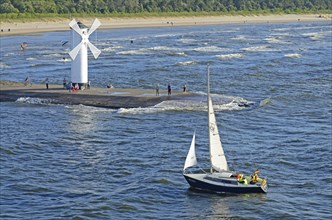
(78, 162)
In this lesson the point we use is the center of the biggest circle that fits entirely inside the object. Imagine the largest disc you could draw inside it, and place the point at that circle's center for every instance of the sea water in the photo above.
(271, 86)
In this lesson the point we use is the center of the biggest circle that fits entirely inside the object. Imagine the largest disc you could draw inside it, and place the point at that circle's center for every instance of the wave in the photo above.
(3, 66)
(52, 54)
(88, 109)
(186, 40)
(133, 52)
(162, 48)
(210, 49)
(9, 54)
(276, 40)
(230, 56)
(293, 55)
(176, 54)
(262, 48)
(314, 35)
(37, 101)
(111, 49)
(186, 63)
(221, 103)
(64, 60)
(240, 38)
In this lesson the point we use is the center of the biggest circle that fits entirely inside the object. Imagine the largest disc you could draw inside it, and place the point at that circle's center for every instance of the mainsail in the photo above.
(191, 157)
(217, 156)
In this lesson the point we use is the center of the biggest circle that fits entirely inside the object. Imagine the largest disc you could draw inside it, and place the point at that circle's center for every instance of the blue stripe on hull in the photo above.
(216, 188)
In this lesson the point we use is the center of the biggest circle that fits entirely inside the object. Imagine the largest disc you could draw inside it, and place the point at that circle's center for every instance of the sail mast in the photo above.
(208, 110)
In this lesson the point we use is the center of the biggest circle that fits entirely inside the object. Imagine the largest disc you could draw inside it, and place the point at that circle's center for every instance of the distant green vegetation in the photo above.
(32, 9)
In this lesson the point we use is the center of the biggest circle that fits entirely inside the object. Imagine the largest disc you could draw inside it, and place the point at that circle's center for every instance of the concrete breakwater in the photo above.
(98, 97)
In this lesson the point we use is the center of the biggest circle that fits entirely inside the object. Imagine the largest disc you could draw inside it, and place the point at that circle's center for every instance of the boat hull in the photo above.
(199, 181)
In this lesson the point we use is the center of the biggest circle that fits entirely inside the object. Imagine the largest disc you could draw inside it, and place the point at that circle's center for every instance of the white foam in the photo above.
(221, 103)
(37, 101)
(30, 58)
(276, 40)
(314, 35)
(293, 55)
(240, 38)
(111, 49)
(186, 40)
(186, 63)
(210, 49)
(162, 48)
(262, 48)
(64, 60)
(230, 56)
(133, 52)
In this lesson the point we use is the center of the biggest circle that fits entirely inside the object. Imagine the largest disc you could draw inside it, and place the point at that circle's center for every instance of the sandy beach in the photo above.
(18, 28)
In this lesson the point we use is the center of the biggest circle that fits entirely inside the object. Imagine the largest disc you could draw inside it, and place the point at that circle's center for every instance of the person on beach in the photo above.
(169, 89)
(64, 83)
(184, 88)
(89, 83)
(27, 81)
(157, 90)
(46, 82)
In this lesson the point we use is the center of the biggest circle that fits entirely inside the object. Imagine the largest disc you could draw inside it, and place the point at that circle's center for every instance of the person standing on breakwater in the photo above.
(64, 83)
(157, 89)
(27, 81)
(169, 89)
(46, 82)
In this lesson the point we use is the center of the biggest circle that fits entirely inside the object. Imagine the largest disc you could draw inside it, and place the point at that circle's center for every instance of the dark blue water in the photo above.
(79, 162)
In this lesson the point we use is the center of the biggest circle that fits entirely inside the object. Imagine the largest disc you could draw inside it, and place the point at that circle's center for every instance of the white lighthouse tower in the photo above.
(79, 53)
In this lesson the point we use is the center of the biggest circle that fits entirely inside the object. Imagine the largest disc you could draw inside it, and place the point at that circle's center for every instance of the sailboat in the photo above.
(219, 178)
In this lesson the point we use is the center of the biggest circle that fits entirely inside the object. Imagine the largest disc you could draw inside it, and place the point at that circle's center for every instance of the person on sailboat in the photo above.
(242, 179)
(254, 177)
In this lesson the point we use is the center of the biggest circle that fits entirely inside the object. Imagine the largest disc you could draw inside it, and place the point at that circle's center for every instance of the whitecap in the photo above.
(262, 48)
(210, 49)
(186, 63)
(276, 40)
(186, 40)
(314, 35)
(64, 60)
(240, 38)
(295, 55)
(133, 52)
(230, 56)
(37, 101)
(30, 58)
(111, 49)
(161, 48)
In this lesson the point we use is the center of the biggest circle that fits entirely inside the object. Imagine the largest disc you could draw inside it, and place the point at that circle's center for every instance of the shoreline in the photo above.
(27, 28)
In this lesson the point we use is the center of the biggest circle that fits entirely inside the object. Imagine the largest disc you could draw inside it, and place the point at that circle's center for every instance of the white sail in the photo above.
(217, 155)
(191, 157)
(218, 159)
